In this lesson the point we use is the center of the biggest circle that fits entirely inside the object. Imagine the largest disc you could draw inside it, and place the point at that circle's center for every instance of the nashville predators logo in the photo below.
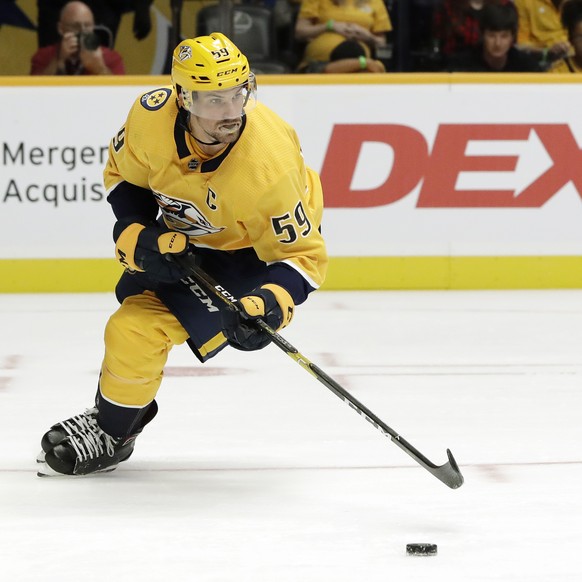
(155, 100)
(185, 217)
(185, 52)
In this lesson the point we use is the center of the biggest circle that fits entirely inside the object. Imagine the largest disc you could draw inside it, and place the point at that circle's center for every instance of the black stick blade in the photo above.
(449, 473)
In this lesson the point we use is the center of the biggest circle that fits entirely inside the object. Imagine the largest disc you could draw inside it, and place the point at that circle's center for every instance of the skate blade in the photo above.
(44, 470)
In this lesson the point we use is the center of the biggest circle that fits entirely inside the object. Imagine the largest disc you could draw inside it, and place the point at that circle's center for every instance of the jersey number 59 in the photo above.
(287, 226)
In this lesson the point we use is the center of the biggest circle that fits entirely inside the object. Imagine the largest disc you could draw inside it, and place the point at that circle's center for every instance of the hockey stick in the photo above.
(448, 473)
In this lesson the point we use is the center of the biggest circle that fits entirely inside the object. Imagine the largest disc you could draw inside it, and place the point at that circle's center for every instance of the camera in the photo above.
(88, 41)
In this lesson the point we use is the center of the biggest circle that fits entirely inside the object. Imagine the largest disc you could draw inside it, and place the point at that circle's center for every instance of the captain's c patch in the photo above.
(154, 100)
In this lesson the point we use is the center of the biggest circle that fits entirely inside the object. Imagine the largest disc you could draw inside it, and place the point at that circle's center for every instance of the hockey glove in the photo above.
(149, 249)
(271, 303)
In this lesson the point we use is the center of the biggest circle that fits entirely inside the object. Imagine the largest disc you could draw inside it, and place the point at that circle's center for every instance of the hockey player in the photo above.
(199, 167)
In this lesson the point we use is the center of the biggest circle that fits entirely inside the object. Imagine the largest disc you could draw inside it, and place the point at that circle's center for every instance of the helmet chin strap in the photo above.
(208, 143)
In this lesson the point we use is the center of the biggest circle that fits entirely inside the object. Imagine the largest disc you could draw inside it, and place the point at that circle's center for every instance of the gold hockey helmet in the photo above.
(211, 64)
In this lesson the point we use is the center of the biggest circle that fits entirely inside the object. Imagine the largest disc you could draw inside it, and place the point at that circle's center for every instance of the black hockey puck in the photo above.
(421, 549)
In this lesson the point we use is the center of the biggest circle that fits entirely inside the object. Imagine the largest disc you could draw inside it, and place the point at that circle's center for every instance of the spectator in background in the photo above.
(347, 57)
(496, 52)
(456, 27)
(78, 52)
(540, 30)
(325, 24)
(107, 15)
(572, 22)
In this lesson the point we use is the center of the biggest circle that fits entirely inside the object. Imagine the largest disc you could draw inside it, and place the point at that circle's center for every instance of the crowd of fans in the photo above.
(345, 36)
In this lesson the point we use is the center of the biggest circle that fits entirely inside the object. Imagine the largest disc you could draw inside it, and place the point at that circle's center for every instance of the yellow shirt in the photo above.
(539, 24)
(561, 66)
(256, 193)
(370, 14)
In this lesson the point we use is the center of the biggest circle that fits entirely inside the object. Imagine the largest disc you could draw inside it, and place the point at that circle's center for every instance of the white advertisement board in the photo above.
(409, 169)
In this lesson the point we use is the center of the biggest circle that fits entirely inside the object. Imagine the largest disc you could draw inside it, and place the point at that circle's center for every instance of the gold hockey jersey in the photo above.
(256, 193)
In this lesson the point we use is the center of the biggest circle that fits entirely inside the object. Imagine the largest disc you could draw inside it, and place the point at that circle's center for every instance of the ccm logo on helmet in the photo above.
(229, 72)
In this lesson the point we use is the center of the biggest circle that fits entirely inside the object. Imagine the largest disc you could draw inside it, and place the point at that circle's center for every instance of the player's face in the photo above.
(219, 113)
(497, 43)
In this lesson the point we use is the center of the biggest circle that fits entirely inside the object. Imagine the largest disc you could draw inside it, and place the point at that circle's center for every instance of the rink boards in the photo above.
(431, 181)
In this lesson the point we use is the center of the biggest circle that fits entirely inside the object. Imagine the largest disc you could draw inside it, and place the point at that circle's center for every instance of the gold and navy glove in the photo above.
(149, 249)
(271, 303)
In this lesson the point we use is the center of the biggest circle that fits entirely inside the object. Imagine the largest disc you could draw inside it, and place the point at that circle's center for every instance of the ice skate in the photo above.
(78, 446)
(61, 430)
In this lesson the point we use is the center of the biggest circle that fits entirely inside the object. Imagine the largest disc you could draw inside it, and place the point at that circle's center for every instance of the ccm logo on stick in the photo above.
(440, 168)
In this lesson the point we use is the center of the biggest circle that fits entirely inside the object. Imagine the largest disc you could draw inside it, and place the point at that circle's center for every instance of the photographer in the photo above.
(79, 51)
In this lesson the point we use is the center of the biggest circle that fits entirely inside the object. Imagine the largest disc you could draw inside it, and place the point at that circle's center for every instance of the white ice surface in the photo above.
(254, 471)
